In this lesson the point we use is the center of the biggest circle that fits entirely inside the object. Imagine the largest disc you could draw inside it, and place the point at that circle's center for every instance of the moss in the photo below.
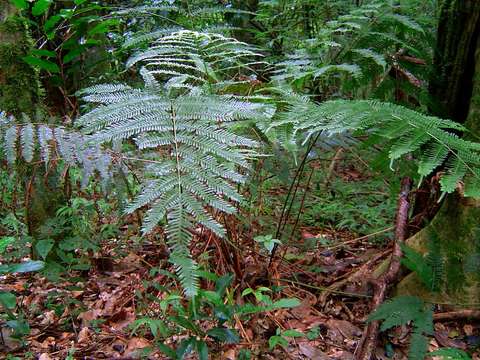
(19, 87)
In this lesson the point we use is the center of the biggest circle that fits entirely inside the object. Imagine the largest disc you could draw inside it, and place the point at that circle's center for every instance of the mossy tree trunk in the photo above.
(455, 230)
(19, 90)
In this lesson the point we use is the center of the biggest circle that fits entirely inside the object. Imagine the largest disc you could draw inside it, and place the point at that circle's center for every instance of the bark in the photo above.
(368, 343)
(455, 229)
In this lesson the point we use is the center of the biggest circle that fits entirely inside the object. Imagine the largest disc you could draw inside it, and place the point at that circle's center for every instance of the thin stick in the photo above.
(368, 343)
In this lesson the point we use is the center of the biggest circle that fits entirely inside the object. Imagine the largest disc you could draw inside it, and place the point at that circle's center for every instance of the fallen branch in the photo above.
(368, 343)
(457, 315)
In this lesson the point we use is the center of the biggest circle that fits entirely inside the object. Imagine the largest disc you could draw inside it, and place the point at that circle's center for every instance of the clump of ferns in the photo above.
(356, 53)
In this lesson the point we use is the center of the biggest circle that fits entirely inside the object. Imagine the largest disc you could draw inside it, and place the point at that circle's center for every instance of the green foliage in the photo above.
(65, 32)
(267, 241)
(403, 310)
(429, 268)
(201, 154)
(450, 354)
(216, 308)
(403, 131)
(281, 338)
(50, 143)
(355, 52)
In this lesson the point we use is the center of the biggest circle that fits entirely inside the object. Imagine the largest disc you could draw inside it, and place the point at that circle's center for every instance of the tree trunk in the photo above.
(455, 230)
(19, 90)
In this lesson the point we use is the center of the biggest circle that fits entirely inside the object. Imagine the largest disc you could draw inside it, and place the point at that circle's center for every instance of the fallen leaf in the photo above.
(346, 328)
(7, 342)
(135, 344)
(83, 335)
(444, 340)
(44, 356)
(230, 354)
(312, 353)
(468, 329)
(48, 318)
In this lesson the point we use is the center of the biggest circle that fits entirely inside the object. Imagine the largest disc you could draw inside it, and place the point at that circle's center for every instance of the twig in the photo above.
(457, 315)
(368, 343)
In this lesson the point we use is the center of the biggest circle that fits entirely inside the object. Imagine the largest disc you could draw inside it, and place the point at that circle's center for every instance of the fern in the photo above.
(49, 143)
(359, 47)
(430, 269)
(406, 131)
(193, 159)
(188, 59)
(403, 310)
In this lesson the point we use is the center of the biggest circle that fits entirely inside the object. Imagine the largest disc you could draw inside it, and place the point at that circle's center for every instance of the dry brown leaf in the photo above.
(49, 318)
(44, 356)
(230, 354)
(346, 328)
(312, 353)
(88, 316)
(135, 344)
(468, 329)
(7, 342)
(122, 319)
(83, 335)
(445, 341)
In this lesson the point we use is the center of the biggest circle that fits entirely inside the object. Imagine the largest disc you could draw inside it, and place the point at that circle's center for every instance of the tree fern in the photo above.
(201, 161)
(406, 131)
(183, 134)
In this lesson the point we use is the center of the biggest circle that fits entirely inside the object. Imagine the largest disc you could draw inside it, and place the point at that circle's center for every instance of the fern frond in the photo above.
(403, 310)
(201, 157)
(406, 131)
(193, 57)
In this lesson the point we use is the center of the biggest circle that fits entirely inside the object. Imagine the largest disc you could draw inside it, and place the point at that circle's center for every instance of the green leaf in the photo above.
(20, 327)
(103, 27)
(185, 323)
(223, 283)
(79, 2)
(42, 64)
(286, 303)
(185, 347)
(44, 247)
(292, 333)
(43, 52)
(202, 350)
(20, 4)
(450, 354)
(277, 340)
(40, 7)
(8, 300)
(228, 336)
(72, 54)
(24, 267)
(49, 25)
(166, 350)
(4, 242)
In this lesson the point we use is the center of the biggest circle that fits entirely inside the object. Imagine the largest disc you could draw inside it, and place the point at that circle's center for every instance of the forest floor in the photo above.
(89, 315)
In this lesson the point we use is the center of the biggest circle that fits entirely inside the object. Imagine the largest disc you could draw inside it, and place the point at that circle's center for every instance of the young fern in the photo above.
(406, 131)
(403, 310)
